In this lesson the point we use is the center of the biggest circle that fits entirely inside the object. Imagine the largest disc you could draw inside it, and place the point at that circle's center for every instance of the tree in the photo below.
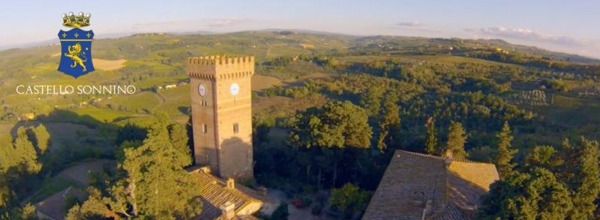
(155, 185)
(27, 212)
(536, 195)
(281, 213)
(335, 125)
(484, 154)
(6, 153)
(349, 198)
(566, 160)
(120, 153)
(456, 141)
(371, 99)
(40, 138)
(24, 155)
(431, 142)
(541, 156)
(18, 162)
(130, 132)
(261, 125)
(69, 202)
(389, 122)
(93, 208)
(189, 127)
(179, 138)
(5, 192)
(586, 184)
(152, 183)
(331, 128)
(505, 152)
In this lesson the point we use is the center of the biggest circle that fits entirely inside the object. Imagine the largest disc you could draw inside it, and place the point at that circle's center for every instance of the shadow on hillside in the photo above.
(122, 118)
(186, 110)
(73, 138)
(62, 116)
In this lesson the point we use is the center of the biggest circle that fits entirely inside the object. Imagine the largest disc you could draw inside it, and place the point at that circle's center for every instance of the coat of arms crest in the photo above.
(76, 45)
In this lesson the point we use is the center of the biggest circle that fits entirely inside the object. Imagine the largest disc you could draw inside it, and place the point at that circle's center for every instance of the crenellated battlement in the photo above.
(220, 67)
(221, 60)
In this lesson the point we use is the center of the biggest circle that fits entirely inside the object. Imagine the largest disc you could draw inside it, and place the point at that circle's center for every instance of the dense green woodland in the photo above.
(330, 113)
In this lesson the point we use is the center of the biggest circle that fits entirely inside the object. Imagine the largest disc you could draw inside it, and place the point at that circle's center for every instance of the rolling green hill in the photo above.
(545, 97)
(152, 60)
(149, 61)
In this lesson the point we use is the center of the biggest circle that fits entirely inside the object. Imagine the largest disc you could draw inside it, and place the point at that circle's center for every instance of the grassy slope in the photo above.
(152, 60)
(155, 60)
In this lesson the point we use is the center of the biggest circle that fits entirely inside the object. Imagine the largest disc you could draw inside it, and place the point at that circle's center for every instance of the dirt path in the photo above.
(162, 100)
(80, 173)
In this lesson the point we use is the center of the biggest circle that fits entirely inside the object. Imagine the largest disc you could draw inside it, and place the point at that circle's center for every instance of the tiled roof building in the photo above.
(221, 108)
(421, 186)
(223, 199)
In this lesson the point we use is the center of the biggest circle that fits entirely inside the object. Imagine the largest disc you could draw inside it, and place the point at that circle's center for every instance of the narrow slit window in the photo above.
(204, 128)
(236, 128)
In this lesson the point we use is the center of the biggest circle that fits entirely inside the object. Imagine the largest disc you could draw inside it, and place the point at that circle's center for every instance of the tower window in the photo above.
(204, 128)
(236, 128)
(204, 103)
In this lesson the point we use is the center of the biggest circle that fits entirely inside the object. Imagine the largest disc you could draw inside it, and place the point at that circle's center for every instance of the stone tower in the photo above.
(222, 114)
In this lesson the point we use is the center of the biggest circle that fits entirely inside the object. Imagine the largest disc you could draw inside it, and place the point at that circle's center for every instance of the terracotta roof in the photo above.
(416, 185)
(480, 174)
(409, 181)
(450, 212)
(468, 181)
(215, 194)
(242, 217)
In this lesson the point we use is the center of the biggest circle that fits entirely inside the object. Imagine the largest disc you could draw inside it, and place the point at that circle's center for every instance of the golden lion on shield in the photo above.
(75, 55)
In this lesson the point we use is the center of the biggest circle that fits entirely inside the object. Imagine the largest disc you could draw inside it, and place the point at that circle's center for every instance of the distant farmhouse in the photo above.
(222, 129)
(420, 186)
(27, 116)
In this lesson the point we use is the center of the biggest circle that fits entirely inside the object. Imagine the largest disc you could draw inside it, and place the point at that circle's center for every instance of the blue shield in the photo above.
(76, 52)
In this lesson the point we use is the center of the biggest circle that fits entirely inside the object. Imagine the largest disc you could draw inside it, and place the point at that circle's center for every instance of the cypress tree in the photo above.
(456, 141)
(586, 184)
(505, 152)
(389, 122)
(431, 142)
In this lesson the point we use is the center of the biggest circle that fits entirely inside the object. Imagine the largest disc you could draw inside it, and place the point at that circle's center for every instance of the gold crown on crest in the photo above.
(76, 21)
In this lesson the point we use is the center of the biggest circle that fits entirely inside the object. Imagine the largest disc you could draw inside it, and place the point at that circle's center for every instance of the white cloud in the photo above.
(185, 25)
(586, 47)
(167, 26)
(224, 22)
(412, 28)
(528, 34)
(409, 24)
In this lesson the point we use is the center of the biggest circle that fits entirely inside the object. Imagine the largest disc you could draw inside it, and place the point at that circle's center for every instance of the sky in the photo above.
(559, 25)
